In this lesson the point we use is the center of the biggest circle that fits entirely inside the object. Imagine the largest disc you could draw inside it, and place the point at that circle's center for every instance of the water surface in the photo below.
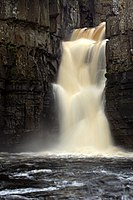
(50, 176)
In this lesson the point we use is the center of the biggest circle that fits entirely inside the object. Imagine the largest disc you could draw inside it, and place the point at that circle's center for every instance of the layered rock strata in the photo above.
(30, 35)
(119, 90)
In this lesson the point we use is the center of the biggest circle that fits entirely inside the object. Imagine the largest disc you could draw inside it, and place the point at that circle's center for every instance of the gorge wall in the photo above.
(119, 89)
(30, 43)
(30, 47)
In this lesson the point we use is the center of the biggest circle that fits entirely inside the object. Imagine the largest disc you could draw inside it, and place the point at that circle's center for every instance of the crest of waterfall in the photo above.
(80, 91)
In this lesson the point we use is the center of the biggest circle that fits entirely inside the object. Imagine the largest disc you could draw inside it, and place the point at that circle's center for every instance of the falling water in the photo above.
(80, 92)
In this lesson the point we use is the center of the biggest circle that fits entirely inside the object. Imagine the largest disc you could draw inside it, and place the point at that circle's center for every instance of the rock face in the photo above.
(119, 90)
(30, 39)
(102, 9)
(30, 34)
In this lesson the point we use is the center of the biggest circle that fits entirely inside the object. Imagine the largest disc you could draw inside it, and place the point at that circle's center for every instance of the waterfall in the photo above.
(80, 92)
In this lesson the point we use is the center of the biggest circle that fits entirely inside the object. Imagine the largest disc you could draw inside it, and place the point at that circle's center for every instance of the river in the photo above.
(30, 176)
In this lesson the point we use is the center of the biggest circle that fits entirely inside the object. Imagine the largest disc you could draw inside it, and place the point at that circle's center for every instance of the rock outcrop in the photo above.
(30, 35)
(119, 90)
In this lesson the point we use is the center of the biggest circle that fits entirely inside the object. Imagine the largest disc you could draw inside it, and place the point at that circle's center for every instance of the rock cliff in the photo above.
(30, 39)
(119, 89)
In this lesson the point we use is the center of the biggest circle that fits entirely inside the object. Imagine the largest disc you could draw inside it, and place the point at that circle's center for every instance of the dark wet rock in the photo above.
(30, 35)
(119, 89)
(87, 9)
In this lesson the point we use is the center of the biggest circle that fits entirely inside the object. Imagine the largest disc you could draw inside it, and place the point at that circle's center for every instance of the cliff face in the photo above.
(119, 90)
(30, 35)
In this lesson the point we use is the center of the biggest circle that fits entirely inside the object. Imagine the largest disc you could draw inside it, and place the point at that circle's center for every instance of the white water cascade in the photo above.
(80, 92)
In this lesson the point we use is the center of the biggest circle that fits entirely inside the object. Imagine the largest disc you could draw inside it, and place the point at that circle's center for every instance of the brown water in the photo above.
(80, 90)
